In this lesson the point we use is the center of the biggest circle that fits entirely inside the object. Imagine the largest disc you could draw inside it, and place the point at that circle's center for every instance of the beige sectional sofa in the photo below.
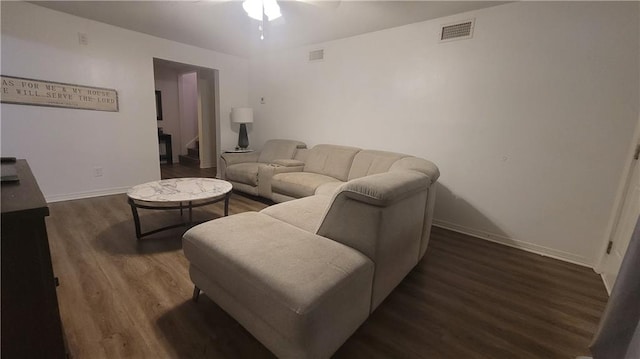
(304, 274)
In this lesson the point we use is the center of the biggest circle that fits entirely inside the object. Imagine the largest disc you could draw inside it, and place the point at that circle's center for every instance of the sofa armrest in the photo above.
(288, 163)
(228, 159)
(301, 154)
(386, 188)
(382, 216)
(417, 164)
(266, 173)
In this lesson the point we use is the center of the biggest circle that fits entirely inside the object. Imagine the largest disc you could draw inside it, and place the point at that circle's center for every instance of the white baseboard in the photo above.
(88, 194)
(526, 246)
(607, 285)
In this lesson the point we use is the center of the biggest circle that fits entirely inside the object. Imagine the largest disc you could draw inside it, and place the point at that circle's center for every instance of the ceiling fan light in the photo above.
(271, 9)
(253, 9)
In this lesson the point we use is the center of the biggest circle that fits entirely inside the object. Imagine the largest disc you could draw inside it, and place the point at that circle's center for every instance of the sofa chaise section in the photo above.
(298, 293)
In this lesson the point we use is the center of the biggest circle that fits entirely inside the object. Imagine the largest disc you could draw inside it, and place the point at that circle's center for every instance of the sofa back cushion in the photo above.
(370, 162)
(279, 150)
(331, 160)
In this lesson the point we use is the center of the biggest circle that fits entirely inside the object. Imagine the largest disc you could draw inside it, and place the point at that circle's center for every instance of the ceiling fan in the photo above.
(257, 9)
(269, 9)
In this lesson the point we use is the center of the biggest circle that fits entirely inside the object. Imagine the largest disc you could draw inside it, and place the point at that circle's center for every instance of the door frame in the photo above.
(616, 212)
(208, 117)
(213, 100)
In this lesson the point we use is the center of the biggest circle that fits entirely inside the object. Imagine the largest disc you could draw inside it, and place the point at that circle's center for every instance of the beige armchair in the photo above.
(246, 171)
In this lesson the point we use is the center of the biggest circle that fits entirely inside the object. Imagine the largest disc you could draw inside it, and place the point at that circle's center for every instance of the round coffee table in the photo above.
(177, 193)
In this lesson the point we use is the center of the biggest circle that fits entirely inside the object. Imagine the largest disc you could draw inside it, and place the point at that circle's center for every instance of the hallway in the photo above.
(176, 170)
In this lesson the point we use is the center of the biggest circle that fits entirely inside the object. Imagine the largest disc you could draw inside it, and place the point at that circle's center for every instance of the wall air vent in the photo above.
(457, 31)
(317, 55)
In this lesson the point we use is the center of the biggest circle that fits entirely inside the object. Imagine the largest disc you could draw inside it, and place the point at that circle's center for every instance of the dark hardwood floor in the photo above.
(468, 298)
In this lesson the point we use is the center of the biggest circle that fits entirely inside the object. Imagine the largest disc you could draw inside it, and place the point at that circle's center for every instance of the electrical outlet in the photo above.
(97, 172)
(83, 39)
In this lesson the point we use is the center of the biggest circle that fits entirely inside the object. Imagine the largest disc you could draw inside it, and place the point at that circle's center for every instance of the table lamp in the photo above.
(242, 115)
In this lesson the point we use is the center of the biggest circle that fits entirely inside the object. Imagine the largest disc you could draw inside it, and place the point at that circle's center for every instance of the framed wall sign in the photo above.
(24, 91)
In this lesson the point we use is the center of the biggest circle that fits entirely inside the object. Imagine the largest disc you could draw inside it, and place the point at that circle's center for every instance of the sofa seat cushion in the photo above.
(298, 184)
(244, 172)
(305, 213)
(310, 290)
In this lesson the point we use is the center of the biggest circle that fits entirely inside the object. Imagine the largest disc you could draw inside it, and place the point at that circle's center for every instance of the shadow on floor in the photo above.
(120, 239)
(204, 330)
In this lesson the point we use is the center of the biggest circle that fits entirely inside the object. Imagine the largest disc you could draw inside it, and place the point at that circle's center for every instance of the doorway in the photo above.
(189, 120)
(624, 220)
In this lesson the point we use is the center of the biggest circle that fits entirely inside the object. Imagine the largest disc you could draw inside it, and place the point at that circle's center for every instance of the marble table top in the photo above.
(180, 190)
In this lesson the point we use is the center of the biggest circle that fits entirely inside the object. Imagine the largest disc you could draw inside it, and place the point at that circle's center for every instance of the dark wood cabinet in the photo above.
(31, 326)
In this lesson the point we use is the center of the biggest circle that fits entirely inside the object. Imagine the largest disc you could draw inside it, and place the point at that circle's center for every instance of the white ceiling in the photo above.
(223, 25)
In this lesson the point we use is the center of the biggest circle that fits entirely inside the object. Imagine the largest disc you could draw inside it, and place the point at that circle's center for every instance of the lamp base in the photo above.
(243, 139)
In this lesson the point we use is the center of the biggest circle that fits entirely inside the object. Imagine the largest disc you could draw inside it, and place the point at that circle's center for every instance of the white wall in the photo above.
(166, 81)
(64, 145)
(529, 121)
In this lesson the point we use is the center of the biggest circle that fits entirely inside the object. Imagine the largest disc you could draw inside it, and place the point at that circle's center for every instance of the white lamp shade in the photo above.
(242, 115)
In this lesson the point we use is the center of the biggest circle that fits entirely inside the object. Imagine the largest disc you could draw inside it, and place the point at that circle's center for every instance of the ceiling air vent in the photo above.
(457, 31)
(317, 55)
